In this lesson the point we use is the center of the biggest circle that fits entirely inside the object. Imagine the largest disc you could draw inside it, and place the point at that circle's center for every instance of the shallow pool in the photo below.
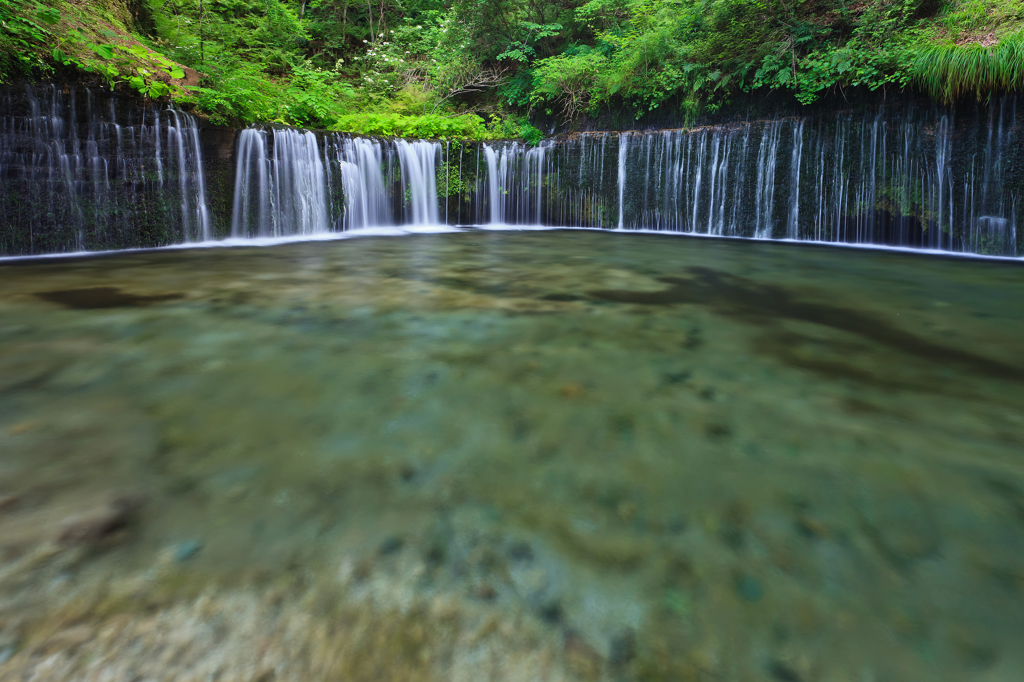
(512, 455)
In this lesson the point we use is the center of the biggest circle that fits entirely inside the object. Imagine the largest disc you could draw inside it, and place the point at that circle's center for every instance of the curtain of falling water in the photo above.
(900, 175)
(80, 171)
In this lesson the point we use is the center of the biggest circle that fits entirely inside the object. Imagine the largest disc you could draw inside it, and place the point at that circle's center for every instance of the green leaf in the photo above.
(104, 51)
(176, 72)
(50, 16)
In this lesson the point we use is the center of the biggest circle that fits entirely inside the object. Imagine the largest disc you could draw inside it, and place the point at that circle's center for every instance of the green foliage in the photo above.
(698, 53)
(478, 68)
(514, 128)
(23, 26)
(949, 72)
(428, 126)
(435, 126)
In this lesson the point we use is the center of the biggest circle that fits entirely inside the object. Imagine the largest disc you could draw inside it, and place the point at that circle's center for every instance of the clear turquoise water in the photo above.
(684, 458)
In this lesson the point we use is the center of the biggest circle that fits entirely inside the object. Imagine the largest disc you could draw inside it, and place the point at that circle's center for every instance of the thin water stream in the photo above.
(512, 455)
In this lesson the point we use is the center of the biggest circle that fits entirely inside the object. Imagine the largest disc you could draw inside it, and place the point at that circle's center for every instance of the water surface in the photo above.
(506, 455)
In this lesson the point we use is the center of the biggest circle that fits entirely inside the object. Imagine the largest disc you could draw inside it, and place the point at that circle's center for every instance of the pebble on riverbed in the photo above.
(187, 550)
(749, 587)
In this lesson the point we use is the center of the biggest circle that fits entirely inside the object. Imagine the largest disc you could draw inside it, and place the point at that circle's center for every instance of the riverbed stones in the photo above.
(326, 394)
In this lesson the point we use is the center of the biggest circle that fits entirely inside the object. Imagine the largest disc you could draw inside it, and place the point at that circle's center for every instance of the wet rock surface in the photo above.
(449, 458)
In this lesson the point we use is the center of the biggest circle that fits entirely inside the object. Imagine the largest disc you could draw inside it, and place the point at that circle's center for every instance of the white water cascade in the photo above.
(623, 155)
(419, 179)
(360, 162)
(280, 184)
(295, 182)
(497, 180)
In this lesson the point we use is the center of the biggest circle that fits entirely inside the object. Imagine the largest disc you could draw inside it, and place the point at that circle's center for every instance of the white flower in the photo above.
(419, 27)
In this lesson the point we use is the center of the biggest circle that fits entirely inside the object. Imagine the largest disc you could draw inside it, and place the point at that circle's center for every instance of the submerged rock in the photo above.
(390, 545)
(749, 587)
(8, 502)
(187, 550)
(581, 657)
(101, 522)
(900, 524)
(623, 648)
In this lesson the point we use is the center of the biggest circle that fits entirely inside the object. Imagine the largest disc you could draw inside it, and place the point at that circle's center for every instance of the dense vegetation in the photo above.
(479, 68)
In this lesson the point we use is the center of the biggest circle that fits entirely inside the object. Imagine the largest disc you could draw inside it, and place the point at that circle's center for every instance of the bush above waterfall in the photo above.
(698, 53)
(476, 68)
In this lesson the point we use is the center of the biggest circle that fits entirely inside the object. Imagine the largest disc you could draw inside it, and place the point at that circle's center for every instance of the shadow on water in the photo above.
(96, 298)
(764, 304)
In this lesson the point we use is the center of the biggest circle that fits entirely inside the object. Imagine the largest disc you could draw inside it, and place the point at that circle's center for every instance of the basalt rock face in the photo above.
(83, 170)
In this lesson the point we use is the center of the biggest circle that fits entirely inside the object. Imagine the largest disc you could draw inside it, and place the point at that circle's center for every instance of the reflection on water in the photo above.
(512, 456)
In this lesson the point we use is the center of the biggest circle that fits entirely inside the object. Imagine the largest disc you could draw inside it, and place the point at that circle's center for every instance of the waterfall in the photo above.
(419, 180)
(85, 171)
(360, 161)
(82, 170)
(793, 219)
(280, 184)
(764, 190)
(195, 217)
(900, 175)
(623, 151)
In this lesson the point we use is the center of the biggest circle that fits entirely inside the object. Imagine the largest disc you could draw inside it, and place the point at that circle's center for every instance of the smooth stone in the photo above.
(678, 602)
(7, 653)
(900, 524)
(8, 502)
(391, 545)
(581, 657)
(187, 550)
(622, 649)
(782, 672)
(521, 551)
(551, 612)
(749, 588)
(485, 592)
(101, 522)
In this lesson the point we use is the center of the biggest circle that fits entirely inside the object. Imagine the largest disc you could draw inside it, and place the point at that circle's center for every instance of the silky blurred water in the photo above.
(685, 458)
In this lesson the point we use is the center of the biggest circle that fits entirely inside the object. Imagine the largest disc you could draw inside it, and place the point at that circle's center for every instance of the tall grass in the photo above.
(949, 72)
